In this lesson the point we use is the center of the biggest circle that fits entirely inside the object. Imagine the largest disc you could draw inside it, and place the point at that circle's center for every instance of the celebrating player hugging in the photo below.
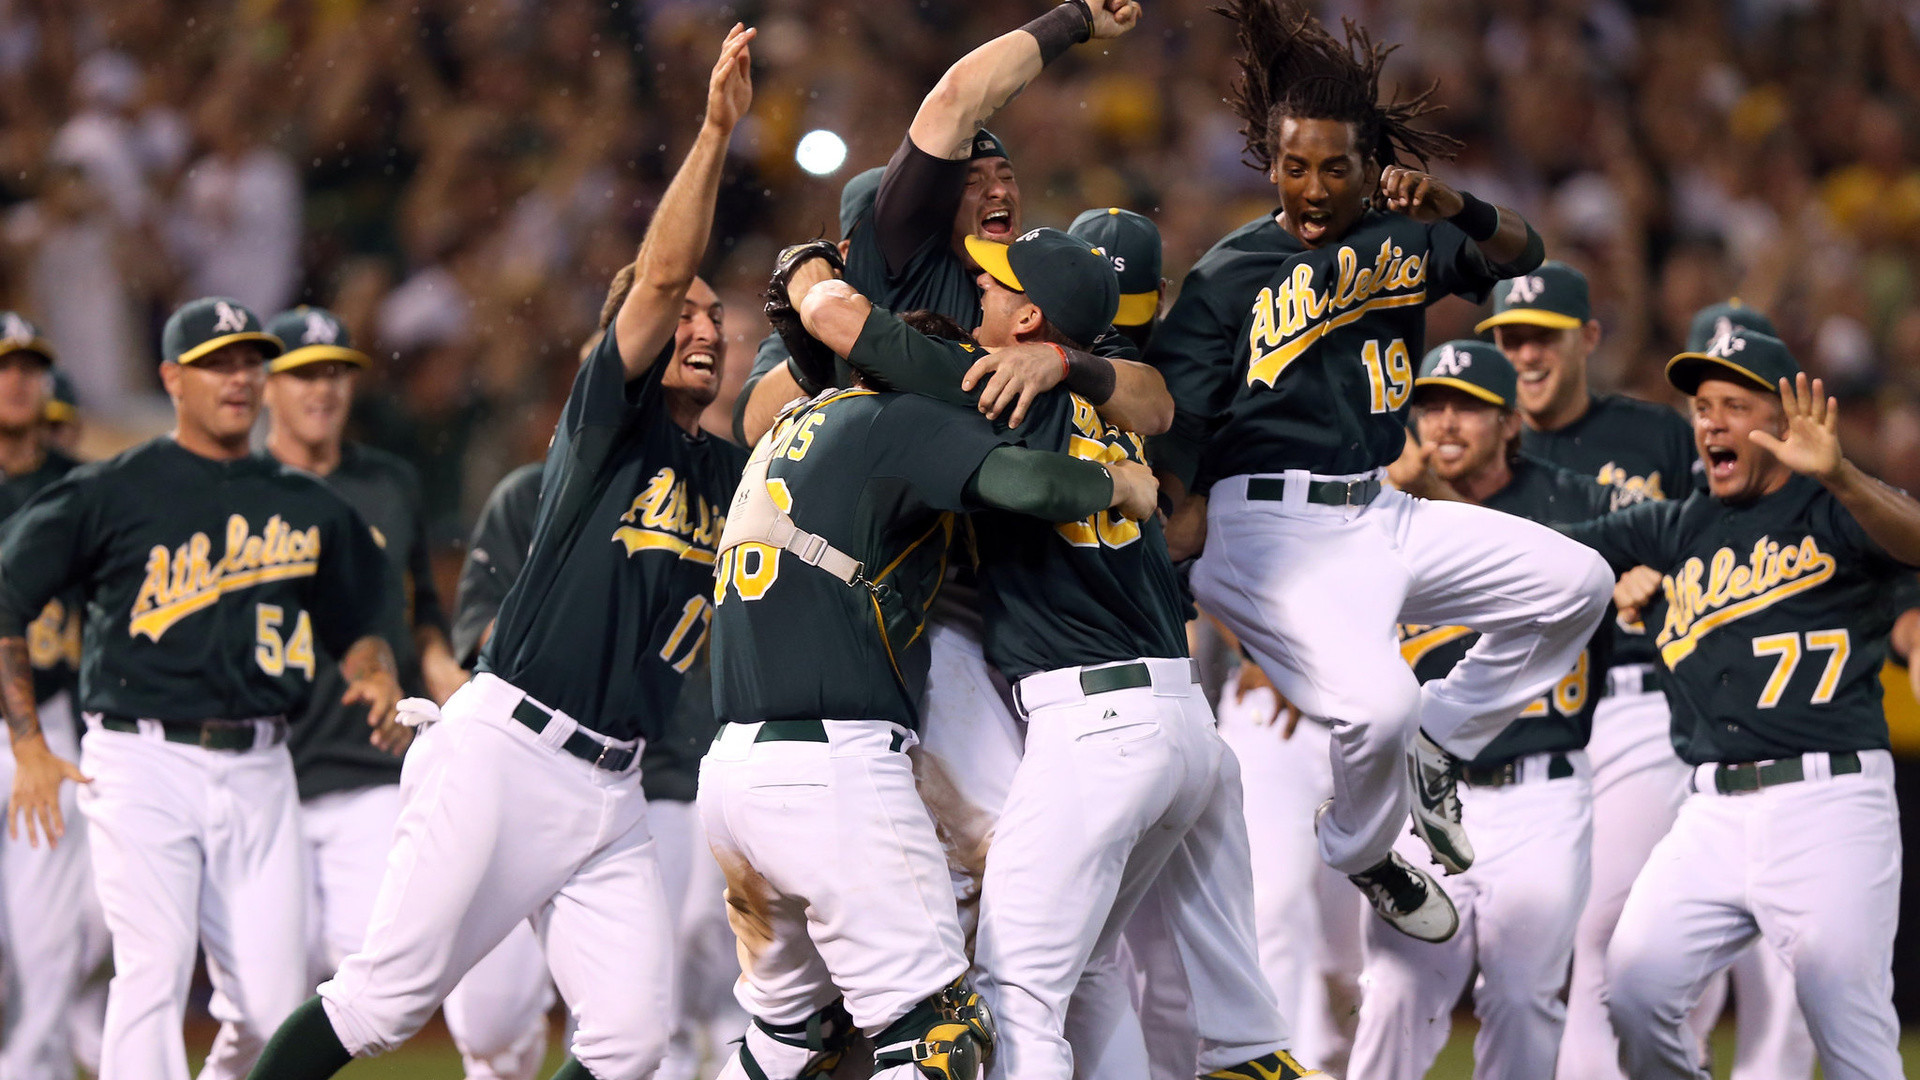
(946, 798)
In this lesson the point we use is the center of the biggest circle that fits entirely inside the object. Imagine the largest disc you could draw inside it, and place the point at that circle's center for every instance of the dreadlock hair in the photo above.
(617, 294)
(1291, 67)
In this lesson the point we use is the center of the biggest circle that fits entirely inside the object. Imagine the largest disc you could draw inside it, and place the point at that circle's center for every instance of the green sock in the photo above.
(305, 1048)
(573, 1070)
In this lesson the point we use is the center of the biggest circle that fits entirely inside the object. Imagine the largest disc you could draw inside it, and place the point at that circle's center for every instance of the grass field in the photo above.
(432, 1057)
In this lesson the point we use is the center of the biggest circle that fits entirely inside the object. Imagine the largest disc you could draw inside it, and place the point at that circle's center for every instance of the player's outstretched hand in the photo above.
(1812, 445)
(1111, 18)
(37, 776)
(1014, 377)
(730, 88)
(1421, 196)
(1250, 679)
(381, 693)
(1634, 591)
(1136, 491)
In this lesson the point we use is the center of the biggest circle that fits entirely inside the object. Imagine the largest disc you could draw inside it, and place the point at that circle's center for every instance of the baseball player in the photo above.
(859, 488)
(212, 576)
(349, 789)
(1528, 793)
(1060, 885)
(46, 893)
(524, 801)
(703, 943)
(1131, 242)
(60, 420)
(1770, 649)
(1543, 322)
(1313, 397)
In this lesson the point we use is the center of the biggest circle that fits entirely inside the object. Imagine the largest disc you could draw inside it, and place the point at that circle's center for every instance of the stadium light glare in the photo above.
(821, 152)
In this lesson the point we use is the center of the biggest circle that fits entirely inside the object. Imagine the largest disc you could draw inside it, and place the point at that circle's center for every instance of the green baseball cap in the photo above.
(313, 334)
(1132, 243)
(1073, 284)
(857, 197)
(19, 335)
(1711, 321)
(63, 405)
(1555, 295)
(1471, 367)
(198, 327)
(986, 145)
(1741, 355)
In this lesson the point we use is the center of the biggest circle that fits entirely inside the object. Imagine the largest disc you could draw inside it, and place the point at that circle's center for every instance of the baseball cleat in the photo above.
(1409, 899)
(1278, 1065)
(1436, 805)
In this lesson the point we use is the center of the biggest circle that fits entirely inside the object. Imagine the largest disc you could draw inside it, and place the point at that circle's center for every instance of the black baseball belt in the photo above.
(1646, 680)
(581, 745)
(803, 731)
(1741, 777)
(1559, 767)
(1319, 492)
(205, 734)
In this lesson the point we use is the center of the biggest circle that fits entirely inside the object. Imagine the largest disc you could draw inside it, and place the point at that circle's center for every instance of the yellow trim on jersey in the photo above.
(1682, 647)
(638, 540)
(1463, 386)
(1268, 366)
(1416, 646)
(156, 621)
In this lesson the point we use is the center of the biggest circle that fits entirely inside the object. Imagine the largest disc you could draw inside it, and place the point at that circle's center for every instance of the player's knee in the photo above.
(631, 1052)
(949, 1036)
(1639, 994)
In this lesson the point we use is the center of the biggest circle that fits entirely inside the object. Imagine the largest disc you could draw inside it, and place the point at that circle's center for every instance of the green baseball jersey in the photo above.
(330, 741)
(53, 638)
(880, 477)
(612, 604)
(1640, 451)
(1777, 613)
(210, 586)
(1562, 718)
(670, 764)
(1053, 596)
(495, 555)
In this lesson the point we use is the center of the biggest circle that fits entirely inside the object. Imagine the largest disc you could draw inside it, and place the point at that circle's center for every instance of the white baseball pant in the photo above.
(1813, 868)
(1308, 918)
(194, 847)
(1518, 904)
(836, 884)
(1638, 785)
(497, 1014)
(970, 749)
(49, 941)
(1314, 593)
(498, 826)
(1120, 792)
(704, 958)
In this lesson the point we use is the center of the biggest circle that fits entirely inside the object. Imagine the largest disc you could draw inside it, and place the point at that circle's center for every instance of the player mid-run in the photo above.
(1312, 560)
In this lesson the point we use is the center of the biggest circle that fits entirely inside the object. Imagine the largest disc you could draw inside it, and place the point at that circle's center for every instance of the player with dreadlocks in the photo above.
(1290, 357)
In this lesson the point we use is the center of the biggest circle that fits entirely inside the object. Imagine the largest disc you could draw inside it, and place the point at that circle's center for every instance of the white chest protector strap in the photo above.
(755, 518)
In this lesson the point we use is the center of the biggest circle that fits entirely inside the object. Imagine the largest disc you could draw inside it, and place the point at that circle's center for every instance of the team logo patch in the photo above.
(16, 329)
(186, 579)
(228, 319)
(319, 330)
(1734, 590)
(668, 516)
(1726, 339)
(1290, 316)
(1452, 361)
(1526, 290)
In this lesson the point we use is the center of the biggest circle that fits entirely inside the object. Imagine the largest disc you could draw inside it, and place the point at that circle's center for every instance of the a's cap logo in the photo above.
(320, 330)
(1726, 340)
(1028, 235)
(1526, 290)
(227, 319)
(1452, 362)
(16, 329)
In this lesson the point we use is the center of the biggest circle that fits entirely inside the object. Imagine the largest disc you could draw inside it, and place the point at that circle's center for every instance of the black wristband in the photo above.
(1090, 376)
(1478, 219)
(1061, 29)
(808, 385)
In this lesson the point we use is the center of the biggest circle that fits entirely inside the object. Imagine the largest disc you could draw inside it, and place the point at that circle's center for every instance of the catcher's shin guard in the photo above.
(949, 1036)
(810, 1048)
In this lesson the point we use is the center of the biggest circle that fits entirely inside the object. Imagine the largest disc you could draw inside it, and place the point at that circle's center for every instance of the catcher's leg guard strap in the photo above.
(820, 1039)
(949, 1036)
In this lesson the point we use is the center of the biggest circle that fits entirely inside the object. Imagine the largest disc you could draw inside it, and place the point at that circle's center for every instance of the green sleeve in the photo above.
(1040, 483)
(913, 363)
(1640, 535)
(43, 549)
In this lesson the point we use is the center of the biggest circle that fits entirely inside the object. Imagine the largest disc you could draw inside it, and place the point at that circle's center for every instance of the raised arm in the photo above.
(670, 253)
(982, 82)
(1890, 517)
(1502, 235)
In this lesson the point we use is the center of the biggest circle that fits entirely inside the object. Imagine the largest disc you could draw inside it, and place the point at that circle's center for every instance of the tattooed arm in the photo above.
(37, 772)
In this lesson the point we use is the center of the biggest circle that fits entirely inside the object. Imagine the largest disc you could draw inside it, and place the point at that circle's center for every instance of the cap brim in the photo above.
(1686, 371)
(1529, 317)
(992, 258)
(1464, 387)
(273, 344)
(39, 347)
(58, 412)
(1137, 309)
(314, 354)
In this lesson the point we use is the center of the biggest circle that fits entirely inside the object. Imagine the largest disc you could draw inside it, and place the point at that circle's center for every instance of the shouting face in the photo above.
(1323, 177)
(1724, 412)
(1465, 437)
(990, 205)
(699, 345)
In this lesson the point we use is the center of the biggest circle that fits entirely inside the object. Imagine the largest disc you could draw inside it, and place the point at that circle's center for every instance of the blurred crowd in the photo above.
(460, 178)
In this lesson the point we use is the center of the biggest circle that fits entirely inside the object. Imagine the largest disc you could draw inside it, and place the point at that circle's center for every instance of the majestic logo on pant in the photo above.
(667, 516)
(1733, 590)
(186, 579)
(1289, 317)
